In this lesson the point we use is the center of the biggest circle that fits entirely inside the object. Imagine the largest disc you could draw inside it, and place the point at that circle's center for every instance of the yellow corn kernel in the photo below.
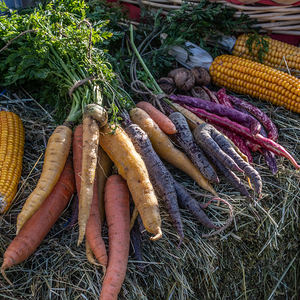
(274, 58)
(11, 156)
(257, 80)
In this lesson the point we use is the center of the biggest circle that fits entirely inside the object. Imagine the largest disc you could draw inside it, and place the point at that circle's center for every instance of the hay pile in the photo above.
(257, 257)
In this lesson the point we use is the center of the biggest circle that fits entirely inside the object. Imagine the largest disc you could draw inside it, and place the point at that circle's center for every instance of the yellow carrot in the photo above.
(57, 151)
(131, 167)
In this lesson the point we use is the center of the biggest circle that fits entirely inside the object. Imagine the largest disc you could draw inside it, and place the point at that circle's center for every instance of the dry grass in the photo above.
(257, 257)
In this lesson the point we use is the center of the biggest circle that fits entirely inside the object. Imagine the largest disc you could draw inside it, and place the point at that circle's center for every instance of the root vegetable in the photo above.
(166, 150)
(131, 167)
(199, 92)
(186, 140)
(118, 221)
(56, 154)
(96, 112)
(206, 136)
(183, 78)
(202, 77)
(103, 170)
(90, 138)
(135, 250)
(36, 228)
(164, 123)
(237, 140)
(186, 201)
(160, 177)
(235, 181)
(93, 228)
(167, 85)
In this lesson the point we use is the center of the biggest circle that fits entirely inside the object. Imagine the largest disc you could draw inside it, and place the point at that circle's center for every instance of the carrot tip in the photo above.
(104, 270)
(4, 275)
(157, 236)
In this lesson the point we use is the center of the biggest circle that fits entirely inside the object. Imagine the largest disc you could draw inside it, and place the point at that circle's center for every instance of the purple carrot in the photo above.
(261, 116)
(135, 245)
(235, 181)
(159, 175)
(186, 140)
(220, 110)
(238, 141)
(74, 213)
(202, 131)
(244, 132)
(209, 144)
(223, 98)
(186, 201)
(212, 96)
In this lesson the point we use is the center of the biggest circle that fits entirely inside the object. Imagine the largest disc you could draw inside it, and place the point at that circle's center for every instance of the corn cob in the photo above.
(257, 80)
(11, 155)
(278, 51)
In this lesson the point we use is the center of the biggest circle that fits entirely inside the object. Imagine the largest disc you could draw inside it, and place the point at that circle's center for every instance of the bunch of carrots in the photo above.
(96, 146)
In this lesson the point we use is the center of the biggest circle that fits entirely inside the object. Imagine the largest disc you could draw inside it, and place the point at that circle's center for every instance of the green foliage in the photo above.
(259, 42)
(195, 23)
(53, 46)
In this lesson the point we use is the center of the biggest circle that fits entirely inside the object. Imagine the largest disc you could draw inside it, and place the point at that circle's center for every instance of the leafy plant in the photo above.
(258, 42)
(51, 51)
(192, 22)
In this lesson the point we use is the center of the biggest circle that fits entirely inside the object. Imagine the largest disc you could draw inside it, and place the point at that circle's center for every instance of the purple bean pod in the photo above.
(223, 97)
(220, 110)
(212, 96)
(261, 116)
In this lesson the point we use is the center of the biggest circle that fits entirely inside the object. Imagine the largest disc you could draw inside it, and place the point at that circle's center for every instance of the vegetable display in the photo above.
(137, 160)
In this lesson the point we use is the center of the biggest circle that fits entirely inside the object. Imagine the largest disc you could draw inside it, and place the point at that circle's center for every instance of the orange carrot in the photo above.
(116, 199)
(93, 227)
(163, 122)
(104, 169)
(36, 228)
(57, 151)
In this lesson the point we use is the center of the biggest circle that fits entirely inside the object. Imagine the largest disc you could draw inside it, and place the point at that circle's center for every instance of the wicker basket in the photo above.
(272, 19)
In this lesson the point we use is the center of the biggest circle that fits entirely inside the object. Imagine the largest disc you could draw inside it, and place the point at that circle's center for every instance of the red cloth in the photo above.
(134, 11)
(287, 38)
(267, 2)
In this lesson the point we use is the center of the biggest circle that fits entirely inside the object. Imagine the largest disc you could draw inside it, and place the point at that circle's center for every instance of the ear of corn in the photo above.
(11, 155)
(257, 80)
(279, 54)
